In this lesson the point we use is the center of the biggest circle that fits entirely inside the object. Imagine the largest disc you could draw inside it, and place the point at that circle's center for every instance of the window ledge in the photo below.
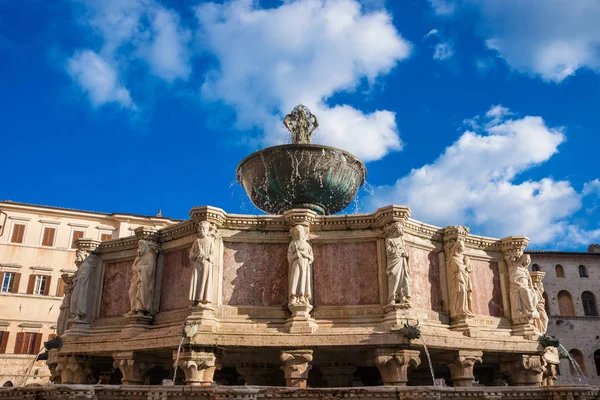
(32, 296)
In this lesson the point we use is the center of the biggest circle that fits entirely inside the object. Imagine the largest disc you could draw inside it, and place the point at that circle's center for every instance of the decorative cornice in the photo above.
(390, 214)
(454, 232)
(213, 215)
(299, 216)
(87, 244)
(147, 233)
(514, 244)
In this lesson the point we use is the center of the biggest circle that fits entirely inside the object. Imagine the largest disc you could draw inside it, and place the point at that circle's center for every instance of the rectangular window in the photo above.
(40, 284)
(76, 236)
(105, 236)
(28, 343)
(18, 233)
(48, 238)
(8, 282)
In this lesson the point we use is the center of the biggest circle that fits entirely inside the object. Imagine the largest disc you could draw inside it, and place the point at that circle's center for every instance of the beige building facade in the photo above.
(572, 289)
(36, 248)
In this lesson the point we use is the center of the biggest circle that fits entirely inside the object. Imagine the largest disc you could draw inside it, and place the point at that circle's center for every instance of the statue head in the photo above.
(80, 256)
(204, 229)
(299, 232)
(394, 230)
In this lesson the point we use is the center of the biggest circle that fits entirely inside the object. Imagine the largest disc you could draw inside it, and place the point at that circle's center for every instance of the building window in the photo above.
(589, 304)
(105, 236)
(577, 356)
(8, 282)
(28, 343)
(597, 361)
(48, 236)
(75, 236)
(583, 271)
(535, 267)
(3, 341)
(560, 272)
(39, 284)
(18, 233)
(565, 304)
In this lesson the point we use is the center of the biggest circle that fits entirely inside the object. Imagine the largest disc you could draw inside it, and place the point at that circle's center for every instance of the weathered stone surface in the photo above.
(176, 275)
(117, 277)
(425, 270)
(487, 296)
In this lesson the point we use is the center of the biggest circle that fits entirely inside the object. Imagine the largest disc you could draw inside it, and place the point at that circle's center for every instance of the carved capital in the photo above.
(393, 364)
(133, 367)
(87, 245)
(454, 232)
(522, 370)
(391, 214)
(513, 246)
(299, 216)
(74, 369)
(147, 233)
(213, 215)
(198, 366)
(296, 364)
(461, 370)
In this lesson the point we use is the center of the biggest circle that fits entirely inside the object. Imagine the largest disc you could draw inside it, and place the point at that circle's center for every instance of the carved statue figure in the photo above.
(398, 270)
(80, 305)
(141, 288)
(300, 257)
(63, 317)
(542, 322)
(201, 256)
(301, 123)
(522, 294)
(459, 265)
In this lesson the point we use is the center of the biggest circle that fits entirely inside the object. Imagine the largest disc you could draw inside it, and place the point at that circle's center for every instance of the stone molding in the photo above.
(133, 367)
(296, 364)
(522, 370)
(393, 364)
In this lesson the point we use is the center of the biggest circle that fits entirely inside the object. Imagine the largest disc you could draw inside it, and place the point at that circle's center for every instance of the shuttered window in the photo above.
(3, 341)
(48, 238)
(28, 343)
(18, 233)
(10, 282)
(76, 236)
(39, 284)
(105, 236)
(61, 287)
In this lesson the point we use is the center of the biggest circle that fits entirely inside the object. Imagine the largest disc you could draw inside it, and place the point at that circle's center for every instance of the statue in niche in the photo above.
(542, 322)
(300, 257)
(523, 296)
(301, 123)
(398, 270)
(141, 288)
(201, 256)
(460, 269)
(62, 323)
(80, 305)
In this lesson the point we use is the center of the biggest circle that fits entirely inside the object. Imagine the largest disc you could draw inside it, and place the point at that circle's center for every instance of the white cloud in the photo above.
(99, 79)
(305, 51)
(443, 7)
(443, 51)
(473, 182)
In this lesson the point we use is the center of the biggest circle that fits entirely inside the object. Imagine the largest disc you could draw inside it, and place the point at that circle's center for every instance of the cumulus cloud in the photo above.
(99, 79)
(305, 51)
(473, 181)
(443, 7)
(443, 49)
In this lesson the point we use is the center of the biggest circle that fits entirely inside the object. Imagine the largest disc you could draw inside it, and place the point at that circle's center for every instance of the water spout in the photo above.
(575, 365)
(188, 331)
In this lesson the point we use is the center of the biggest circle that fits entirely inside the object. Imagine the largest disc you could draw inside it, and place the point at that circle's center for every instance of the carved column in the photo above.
(522, 370)
(459, 280)
(300, 321)
(338, 374)
(257, 374)
(198, 366)
(203, 314)
(133, 367)
(461, 370)
(296, 364)
(74, 369)
(393, 365)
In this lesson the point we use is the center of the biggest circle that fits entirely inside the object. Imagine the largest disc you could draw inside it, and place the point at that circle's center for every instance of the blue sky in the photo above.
(469, 112)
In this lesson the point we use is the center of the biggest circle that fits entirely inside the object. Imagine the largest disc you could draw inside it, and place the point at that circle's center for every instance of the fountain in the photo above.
(301, 302)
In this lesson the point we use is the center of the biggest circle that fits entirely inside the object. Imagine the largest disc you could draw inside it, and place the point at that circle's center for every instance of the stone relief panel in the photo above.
(117, 277)
(346, 273)
(176, 275)
(487, 295)
(255, 274)
(425, 270)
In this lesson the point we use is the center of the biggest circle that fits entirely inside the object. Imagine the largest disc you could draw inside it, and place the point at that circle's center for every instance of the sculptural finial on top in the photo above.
(301, 123)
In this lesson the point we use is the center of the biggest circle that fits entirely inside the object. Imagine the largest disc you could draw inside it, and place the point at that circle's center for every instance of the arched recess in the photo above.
(597, 361)
(589, 304)
(535, 267)
(8, 384)
(583, 273)
(578, 357)
(565, 304)
(560, 271)
(546, 303)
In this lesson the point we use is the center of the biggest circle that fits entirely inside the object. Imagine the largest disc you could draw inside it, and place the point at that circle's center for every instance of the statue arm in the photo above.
(194, 252)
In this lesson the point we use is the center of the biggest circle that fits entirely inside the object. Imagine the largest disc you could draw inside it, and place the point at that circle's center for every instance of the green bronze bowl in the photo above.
(321, 178)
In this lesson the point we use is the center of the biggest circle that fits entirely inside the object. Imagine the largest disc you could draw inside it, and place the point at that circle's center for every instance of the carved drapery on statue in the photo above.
(80, 306)
(540, 303)
(202, 259)
(141, 288)
(398, 270)
(300, 258)
(459, 270)
(62, 323)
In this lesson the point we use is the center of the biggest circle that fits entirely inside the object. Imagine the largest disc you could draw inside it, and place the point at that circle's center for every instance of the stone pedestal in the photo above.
(204, 316)
(296, 364)
(136, 324)
(393, 364)
(300, 321)
(338, 374)
(397, 315)
(257, 374)
(77, 328)
(466, 325)
(461, 370)
(198, 366)
(526, 329)
(522, 370)
(133, 367)
(74, 369)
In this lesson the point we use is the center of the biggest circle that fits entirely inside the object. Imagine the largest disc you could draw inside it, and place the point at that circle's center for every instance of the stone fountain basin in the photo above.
(321, 178)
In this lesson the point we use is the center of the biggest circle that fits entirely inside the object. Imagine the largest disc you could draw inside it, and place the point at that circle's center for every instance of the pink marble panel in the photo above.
(176, 276)
(425, 279)
(255, 274)
(346, 273)
(115, 297)
(487, 295)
